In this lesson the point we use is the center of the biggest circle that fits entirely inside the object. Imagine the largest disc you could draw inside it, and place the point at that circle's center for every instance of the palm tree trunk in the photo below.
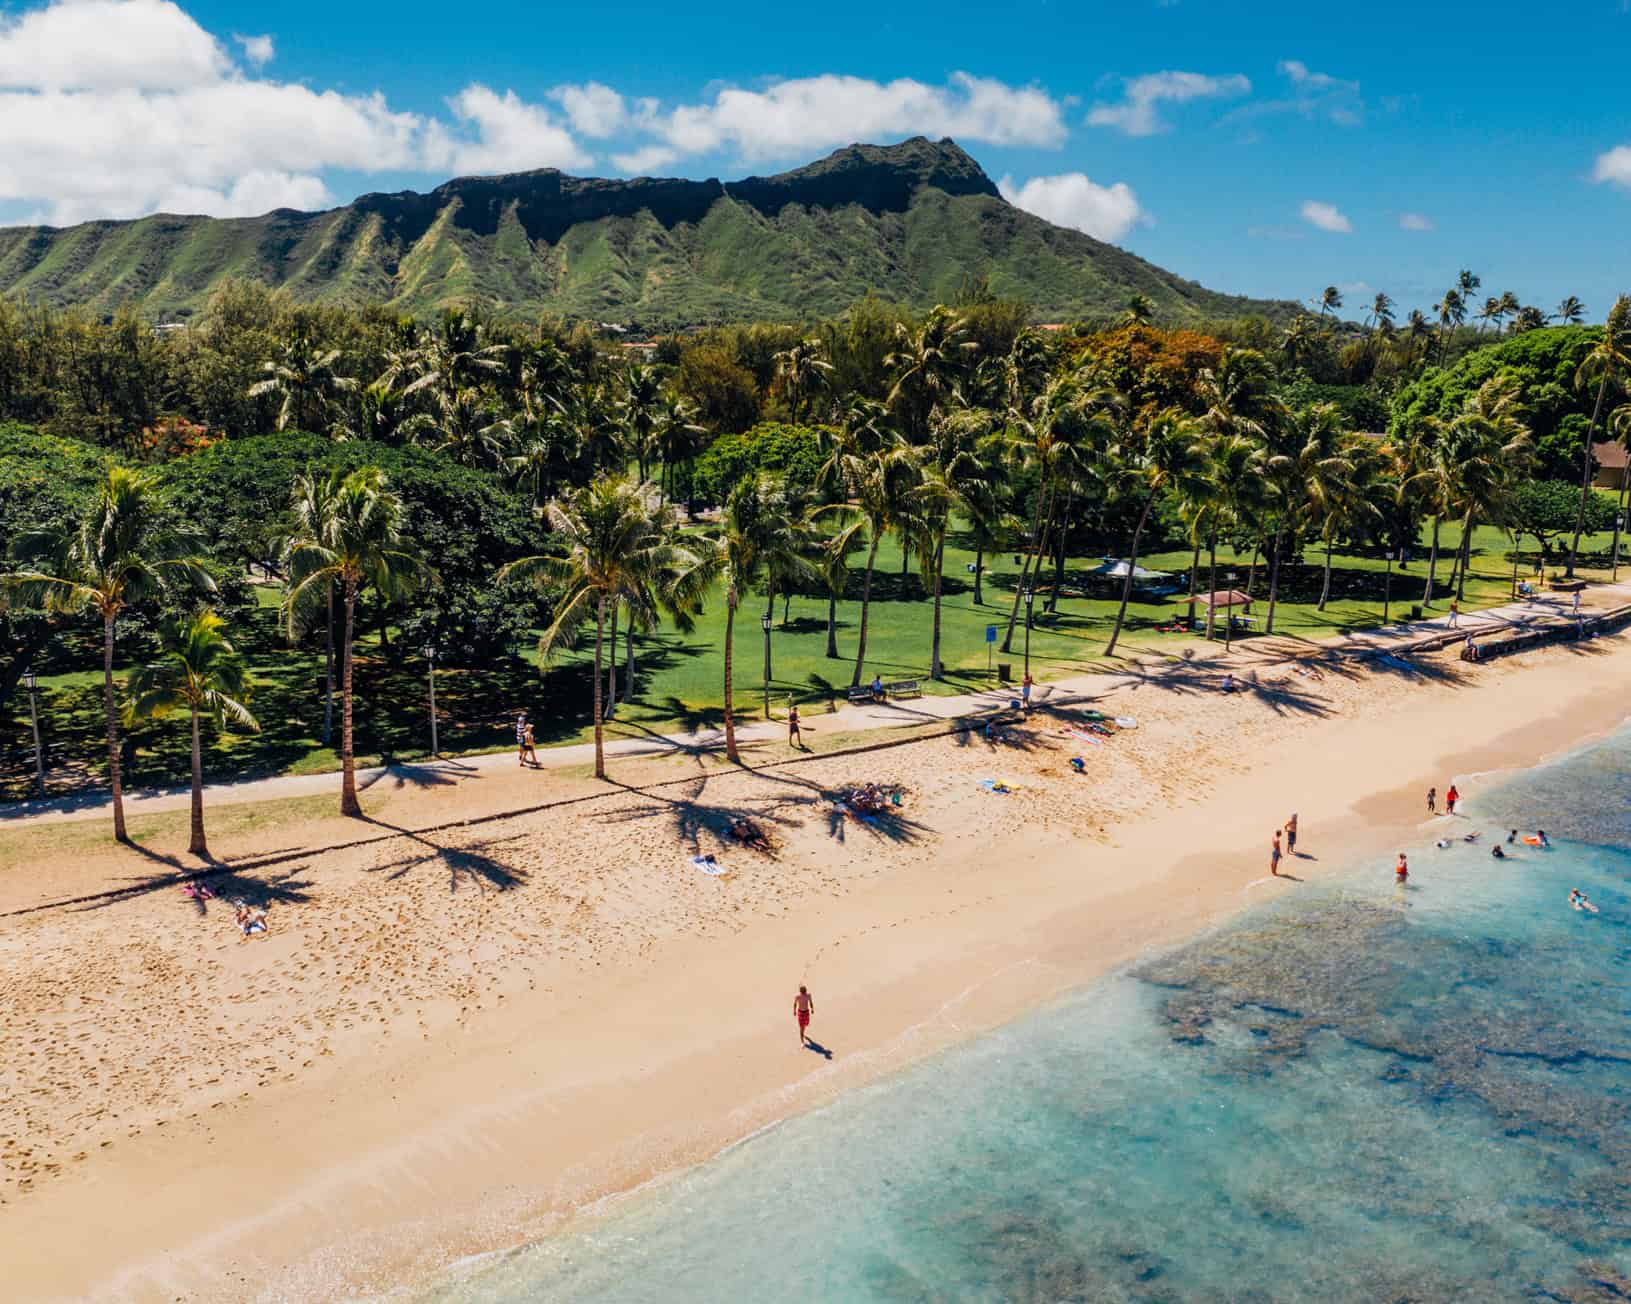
(113, 730)
(979, 572)
(600, 634)
(1432, 562)
(1251, 571)
(1466, 558)
(628, 663)
(1024, 570)
(1585, 475)
(866, 602)
(935, 669)
(832, 627)
(730, 722)
(1325, 584)
(328, 670)
(1274, 580)
(1195, 577)
(349, 804)
(611, 668)
(1127, 584)
(770, 614)
(197, 847)
(1059, 553)
(1212, 580)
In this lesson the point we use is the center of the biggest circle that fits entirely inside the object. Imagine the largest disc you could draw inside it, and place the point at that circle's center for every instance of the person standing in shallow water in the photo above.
(1401, 871)
(803, 1008)
(1450, 799)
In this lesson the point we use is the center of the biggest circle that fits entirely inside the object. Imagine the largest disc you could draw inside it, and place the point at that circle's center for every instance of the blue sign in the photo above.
(990, 633)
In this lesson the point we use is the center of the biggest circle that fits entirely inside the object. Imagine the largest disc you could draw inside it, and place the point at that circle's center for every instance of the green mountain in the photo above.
(910, 222)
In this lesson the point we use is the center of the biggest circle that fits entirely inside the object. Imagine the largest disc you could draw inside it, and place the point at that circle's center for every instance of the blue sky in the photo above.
(1265, 149)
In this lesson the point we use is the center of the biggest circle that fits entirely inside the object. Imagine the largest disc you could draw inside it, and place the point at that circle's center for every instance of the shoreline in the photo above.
(388, 1169)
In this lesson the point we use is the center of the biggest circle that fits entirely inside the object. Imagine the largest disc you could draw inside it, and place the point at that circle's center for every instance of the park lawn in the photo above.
(679, 685)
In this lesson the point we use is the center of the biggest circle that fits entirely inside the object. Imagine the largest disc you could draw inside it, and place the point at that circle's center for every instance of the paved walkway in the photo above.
(1256, 651)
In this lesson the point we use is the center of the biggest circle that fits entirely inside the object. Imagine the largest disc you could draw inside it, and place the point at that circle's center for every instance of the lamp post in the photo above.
(31, 681)
(1030, 597)
(1229, 611)
(764, 624)
(430, 659)
(1387, 588)
(1619, 525)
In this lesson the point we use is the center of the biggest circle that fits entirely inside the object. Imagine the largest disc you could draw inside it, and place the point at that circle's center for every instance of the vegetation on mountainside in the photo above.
(911, 222)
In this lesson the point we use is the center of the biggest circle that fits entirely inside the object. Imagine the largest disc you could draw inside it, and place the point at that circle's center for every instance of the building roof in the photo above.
(1610, 454)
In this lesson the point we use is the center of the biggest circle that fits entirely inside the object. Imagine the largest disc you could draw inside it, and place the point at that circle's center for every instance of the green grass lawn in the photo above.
(679, 680)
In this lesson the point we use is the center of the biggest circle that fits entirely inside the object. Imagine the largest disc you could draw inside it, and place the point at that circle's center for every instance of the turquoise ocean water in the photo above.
(1356, 1093)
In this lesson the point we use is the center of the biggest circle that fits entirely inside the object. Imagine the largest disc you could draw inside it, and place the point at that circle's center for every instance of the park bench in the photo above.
(905, 688)
(861, 693)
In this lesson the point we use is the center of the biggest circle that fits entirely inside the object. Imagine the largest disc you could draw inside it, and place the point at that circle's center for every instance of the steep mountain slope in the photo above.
(909, 222)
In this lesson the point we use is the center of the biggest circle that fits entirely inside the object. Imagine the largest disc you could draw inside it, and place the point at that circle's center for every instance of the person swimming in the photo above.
(1579, 901)
(1512, 837)
(1442, 844)
(1496, 852)
(1544, 840)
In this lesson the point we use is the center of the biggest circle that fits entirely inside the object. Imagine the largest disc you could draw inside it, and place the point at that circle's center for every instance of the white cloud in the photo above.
(107, 44)
(795, 117)
(647, 161)
(595, 110)
(1138, 114)
(1325, 216)
(1415, 222)
(257, 49)
(1070, 199)
(502, 133)
(1614, 166)
(250, 195)
(1312, 95)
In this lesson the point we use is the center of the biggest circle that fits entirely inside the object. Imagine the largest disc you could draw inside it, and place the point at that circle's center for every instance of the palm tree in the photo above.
(1164, 456)
(1491, 312)
(678, 439)
(306, 380)
(1609, 363)
(1528, 318)
(120, 552)
(1234, 474)
(311, 504)
(201, 673)
(955, 472)
(353, 542)
(875, 474)
(1490, 450)
(619, 545)
(1452, 311)
(800, 370)
(465, 426)
(1510, 307)
(1299, 342)
(1571, 312)
(759, 531)
(456, 355)
(1381, 311)
(1328, 488)
(1467, 284)
(640, 408)
(927, 362)
(832, 564)
(1298, 451)
(1138, 311)
(1330, 299)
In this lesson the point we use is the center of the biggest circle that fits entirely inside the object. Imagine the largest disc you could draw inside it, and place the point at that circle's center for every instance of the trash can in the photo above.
(1005, 671)
(1415, 611)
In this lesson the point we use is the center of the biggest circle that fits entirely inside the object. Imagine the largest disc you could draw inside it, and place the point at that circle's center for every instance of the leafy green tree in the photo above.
(618, 544)
(200, 673)
(121, 551)
(1547, 508)
(1609, 364)
(354, 542)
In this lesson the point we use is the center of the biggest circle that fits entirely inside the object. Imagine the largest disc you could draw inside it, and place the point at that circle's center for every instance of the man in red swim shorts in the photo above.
(803, 1008)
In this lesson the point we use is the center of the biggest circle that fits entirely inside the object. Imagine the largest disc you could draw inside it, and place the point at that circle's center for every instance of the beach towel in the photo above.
(996, 786)
(707, 866)
(1086, 737)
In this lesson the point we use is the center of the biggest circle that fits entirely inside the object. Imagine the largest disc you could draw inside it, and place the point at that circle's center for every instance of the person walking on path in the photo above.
(793, 734)
(1274, 855)
(1576, 608)
(1432, 801)
(1025, 693)
(1455, 613)
(1291, 835)
(529, 746)
(803, 1008)
(521, 739)
(1450, 799)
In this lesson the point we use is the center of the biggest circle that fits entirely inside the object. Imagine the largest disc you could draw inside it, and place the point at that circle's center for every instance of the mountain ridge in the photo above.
(909, 221)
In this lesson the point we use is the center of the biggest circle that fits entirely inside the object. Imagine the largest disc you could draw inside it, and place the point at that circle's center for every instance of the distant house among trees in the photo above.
(1611, 459)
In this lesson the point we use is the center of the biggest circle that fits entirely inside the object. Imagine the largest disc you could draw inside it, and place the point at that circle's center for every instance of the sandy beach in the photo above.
(451, 1040)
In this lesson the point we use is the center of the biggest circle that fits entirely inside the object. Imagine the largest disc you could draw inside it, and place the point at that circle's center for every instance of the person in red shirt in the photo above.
(1450, 799)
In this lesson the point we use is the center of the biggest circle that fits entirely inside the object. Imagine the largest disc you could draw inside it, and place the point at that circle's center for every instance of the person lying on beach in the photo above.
(1497, 852)
(749, 834)
(197, 891)
(1442, 844)
(1578, 900)
(251, 922)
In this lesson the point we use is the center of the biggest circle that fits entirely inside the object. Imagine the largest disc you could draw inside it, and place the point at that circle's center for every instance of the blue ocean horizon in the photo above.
(1358, 1092)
